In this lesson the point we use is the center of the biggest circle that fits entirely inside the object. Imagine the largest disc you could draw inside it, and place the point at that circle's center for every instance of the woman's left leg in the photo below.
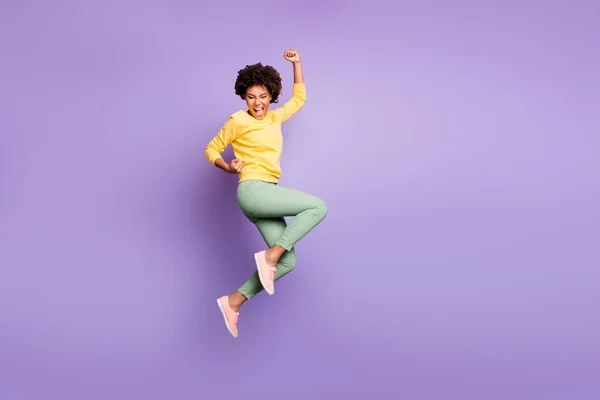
(260, 200)
(266, 204)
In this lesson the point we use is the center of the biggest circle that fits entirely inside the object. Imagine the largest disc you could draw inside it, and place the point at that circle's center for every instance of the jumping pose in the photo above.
(256, 138)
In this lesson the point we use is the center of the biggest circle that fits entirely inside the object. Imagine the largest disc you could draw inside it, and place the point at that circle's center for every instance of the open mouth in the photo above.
(259, 111)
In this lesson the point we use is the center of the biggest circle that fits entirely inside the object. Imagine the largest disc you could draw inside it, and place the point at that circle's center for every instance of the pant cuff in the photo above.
(285, 245)
(246, 294)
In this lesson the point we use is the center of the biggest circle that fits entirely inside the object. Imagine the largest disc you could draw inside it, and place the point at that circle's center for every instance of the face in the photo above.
(258, 100)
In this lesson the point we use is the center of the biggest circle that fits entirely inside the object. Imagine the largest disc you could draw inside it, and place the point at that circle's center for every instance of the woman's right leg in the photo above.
(263, 202)
(271, 230)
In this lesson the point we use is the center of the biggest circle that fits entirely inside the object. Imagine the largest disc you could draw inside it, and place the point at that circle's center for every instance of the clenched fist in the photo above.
(235, 166)
(291, 55)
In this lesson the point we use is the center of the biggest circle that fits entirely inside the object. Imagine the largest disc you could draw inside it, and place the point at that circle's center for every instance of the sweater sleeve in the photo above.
(222, 139)
(293, 105)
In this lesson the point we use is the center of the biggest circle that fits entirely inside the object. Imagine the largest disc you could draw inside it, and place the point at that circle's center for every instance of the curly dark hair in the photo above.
(258, 74)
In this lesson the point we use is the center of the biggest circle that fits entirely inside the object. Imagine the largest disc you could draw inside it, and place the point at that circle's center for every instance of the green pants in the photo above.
(265, 204)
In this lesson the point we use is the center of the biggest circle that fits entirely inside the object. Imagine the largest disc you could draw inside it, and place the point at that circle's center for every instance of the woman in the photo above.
(256, 138)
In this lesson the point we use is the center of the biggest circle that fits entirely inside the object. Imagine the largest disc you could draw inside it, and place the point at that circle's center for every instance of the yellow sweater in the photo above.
(257, 143)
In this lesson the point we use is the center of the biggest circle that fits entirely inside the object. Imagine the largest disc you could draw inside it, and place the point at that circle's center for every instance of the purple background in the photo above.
(455, 144)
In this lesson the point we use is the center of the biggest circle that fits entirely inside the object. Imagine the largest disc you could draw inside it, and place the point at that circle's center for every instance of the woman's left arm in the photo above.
(293, 105)
(292, 56)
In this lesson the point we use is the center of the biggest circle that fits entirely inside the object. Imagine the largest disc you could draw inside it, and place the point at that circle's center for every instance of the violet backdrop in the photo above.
(454, 142)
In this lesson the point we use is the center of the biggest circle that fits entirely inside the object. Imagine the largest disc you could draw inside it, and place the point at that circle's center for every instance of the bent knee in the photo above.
(322, 208)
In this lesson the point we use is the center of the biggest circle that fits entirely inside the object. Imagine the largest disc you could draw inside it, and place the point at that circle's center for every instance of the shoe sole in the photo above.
(260, 276)
(225, 318)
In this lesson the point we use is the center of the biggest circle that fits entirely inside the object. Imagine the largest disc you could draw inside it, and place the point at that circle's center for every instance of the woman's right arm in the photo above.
(233, 168)
(218, 144)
